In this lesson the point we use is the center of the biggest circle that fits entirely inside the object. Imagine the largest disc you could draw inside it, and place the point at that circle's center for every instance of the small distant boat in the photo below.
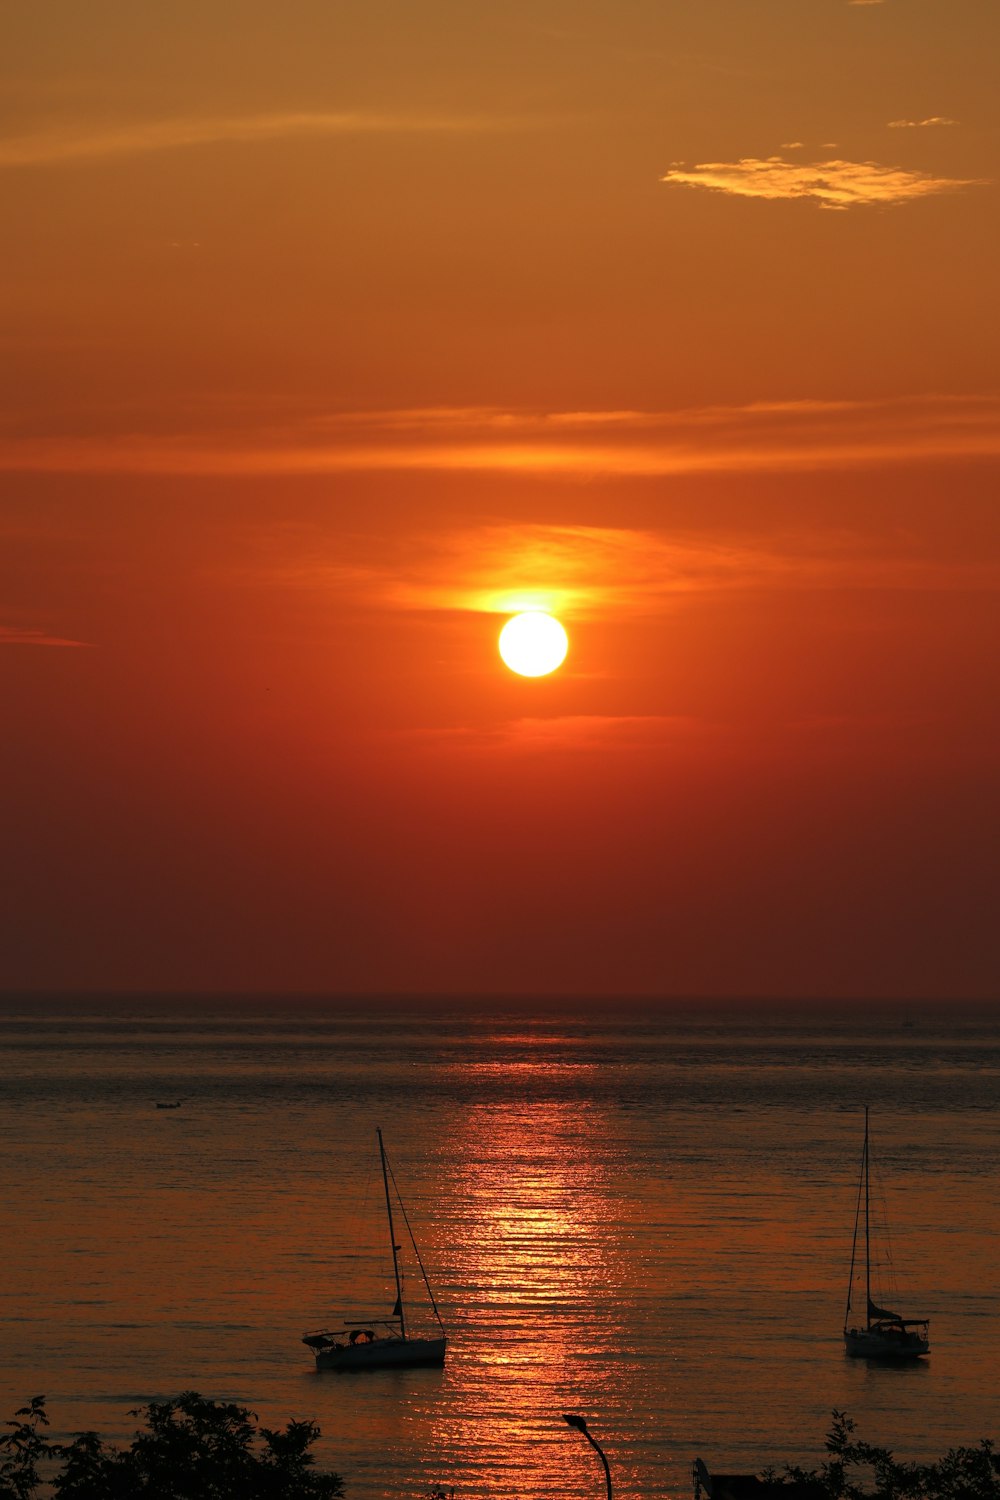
(169, 1104)
(378, 1343)
(884, 1334)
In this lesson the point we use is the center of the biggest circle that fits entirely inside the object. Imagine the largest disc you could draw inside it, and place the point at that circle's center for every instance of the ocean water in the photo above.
(640, 1214)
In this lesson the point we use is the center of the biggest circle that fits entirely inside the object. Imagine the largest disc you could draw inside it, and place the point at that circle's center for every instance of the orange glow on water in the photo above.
(604, 1206)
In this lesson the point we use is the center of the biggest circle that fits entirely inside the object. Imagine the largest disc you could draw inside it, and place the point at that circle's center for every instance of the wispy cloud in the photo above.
(832, 184)
(577, 733)
(27, 635)
(581, 572)
(140, 137)
(636, 734)
(764, 436)
(921, 124)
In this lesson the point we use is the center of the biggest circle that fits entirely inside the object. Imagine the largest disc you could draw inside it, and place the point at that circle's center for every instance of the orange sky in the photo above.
(333, 331)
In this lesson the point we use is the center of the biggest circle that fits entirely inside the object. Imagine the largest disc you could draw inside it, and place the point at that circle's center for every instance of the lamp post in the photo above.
(572, 1419)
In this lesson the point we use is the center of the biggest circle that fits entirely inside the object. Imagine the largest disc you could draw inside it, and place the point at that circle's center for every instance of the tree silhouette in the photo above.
(190, 1449)
(22, 1450)
(856, 1470)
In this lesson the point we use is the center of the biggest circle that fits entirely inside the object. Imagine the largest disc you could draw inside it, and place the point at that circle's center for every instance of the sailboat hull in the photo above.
(382, 1354)
(381, 1343)
(886, 1343)
(886, 1335)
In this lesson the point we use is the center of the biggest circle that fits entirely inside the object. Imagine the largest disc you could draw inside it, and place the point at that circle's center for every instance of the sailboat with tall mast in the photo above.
(884, 1334)
(377, 1343)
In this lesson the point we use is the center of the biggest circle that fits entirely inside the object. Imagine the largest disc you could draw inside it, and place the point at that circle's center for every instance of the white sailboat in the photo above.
(883, 1335)
(377, 1343)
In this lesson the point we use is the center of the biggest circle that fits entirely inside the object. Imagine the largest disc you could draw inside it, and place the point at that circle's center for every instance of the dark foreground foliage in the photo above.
(856, 1470)
(195, 1449)
(189, 1449)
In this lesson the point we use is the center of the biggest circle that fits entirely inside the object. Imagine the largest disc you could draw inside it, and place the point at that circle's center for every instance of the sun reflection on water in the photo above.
(645, 1224)
(535, 1249)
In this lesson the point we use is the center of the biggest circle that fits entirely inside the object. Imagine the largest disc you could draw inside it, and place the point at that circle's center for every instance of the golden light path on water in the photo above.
(536, 1238)
(644, 1221)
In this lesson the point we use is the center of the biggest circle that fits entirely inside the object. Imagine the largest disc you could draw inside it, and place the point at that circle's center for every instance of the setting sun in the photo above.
(360, 359)
(533, 644)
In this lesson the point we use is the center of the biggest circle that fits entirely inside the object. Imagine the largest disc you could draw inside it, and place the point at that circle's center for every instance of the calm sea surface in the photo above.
(641, 1215)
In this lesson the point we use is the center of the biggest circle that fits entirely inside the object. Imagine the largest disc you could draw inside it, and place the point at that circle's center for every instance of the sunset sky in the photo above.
(337, 330)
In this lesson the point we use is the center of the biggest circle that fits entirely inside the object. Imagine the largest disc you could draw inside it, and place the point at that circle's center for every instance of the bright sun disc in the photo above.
(533, 644)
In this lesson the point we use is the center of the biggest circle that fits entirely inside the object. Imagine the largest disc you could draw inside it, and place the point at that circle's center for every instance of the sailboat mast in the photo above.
(854, 1241)
(392, 1236)
(868, 1253)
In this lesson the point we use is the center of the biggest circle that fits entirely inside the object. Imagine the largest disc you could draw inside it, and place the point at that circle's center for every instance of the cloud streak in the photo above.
(836, 184)
(582, 572)
(920, 124)
(66, 144)
(576, 733)
(27, 635)
(760, 437)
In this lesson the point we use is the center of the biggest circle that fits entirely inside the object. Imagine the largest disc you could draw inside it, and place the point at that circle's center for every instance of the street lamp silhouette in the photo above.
(572, 1419)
